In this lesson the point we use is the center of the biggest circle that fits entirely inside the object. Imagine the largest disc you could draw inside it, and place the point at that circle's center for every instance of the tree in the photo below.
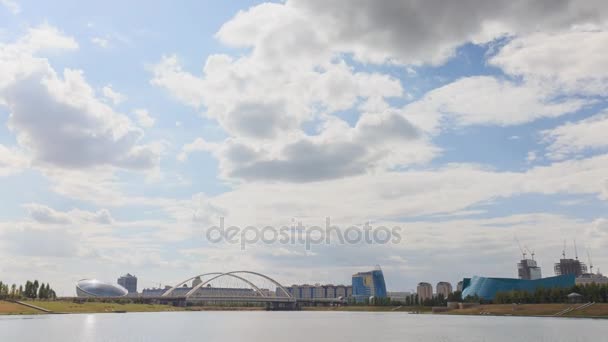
(35, 289)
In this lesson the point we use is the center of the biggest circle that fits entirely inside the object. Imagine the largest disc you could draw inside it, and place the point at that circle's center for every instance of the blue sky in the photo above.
(128, 128)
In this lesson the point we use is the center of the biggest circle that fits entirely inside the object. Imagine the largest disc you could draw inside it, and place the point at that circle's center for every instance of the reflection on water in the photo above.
(295, 326)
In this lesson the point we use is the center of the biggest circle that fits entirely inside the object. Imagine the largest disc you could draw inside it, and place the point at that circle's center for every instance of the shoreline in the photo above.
(597, 311)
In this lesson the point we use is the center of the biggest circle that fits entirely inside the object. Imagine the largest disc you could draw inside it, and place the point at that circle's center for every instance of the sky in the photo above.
(128, 129)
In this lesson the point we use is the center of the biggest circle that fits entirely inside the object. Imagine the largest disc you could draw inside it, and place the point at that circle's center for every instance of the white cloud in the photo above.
(11, 5)
(378, 141)
(262, 107)
(101, 42)
(576, 137)
(572, 61)
(396, 31)
(411, 193)
(263, 98)
(57, 118)
(45, 215)
(11, 161)
(144, 118)
(486, 100)
(112, 95)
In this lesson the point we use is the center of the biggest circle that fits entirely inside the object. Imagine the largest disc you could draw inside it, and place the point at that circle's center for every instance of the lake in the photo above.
(295, 326)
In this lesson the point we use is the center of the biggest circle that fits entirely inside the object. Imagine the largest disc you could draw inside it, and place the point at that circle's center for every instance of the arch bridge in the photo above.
(231, 287)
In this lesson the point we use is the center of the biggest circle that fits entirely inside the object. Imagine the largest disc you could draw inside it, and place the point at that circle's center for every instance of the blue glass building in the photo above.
(486, 288)
(368, 284)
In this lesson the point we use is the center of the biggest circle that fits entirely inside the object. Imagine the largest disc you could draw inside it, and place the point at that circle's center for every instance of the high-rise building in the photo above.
(459, 286)
(369, 284)
(129, 282)
(528, 269)
(424, 291)
(570, 266)
(444, 288)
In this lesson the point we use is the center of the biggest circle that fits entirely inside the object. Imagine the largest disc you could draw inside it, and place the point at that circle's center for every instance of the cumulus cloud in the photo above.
(253, 99)
(263, 111)
(115, 97)
(378, 141)
(572, 61)
(101, 42)
(11, 161)
(573, 138)
(46, 215)
(295, 73)
(144, 118)
(396, 31)
(11, 5)
(487, 100)
(57, 117)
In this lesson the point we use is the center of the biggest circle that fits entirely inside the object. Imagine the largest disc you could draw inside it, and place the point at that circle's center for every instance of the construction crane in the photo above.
(564, 251)
(575, 250)
(590, 263)
(523, 252)
(530, 251)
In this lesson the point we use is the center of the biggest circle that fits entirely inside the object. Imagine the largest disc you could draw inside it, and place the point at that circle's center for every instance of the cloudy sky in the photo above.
(128, 128)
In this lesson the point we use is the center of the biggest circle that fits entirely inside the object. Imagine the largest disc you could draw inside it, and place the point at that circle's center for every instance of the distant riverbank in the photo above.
(599, 310)
(65, 307)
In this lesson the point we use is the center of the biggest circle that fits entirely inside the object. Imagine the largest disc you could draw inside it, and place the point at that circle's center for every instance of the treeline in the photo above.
(414, 300)
(31, 290)
(590, 293)
(438, 300)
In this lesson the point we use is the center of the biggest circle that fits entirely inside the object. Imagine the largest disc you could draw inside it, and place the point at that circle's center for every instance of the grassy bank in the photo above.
(597, 310)
(8, 308)
(99, 307)
(360, 308)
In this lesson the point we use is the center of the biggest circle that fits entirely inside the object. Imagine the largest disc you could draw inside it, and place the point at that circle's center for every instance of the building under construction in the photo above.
(570, 266)
(528, 269)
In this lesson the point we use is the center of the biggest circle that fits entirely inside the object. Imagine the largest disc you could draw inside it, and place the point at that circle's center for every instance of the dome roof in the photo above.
(96, 288)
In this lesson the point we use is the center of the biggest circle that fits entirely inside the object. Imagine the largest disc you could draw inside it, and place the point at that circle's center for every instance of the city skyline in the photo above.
(128, 129)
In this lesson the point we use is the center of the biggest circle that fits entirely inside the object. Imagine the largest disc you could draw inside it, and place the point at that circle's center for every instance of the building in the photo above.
(329, 291)
(528, 269)
(197, 281)
(399, 297)
(129, 282)
(344, 291)
(486, 288)
(424, 291)
(155, 292)
(369, 284)
(459, 286)
(443, 288)
(88, 288)
(591, 278)
(570, 266)
(206, 291)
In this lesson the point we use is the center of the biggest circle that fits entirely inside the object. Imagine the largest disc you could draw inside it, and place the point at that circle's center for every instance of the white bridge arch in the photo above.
(239, 276)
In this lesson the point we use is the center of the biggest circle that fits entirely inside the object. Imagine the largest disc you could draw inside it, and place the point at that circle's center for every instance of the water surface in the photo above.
(295, 327)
